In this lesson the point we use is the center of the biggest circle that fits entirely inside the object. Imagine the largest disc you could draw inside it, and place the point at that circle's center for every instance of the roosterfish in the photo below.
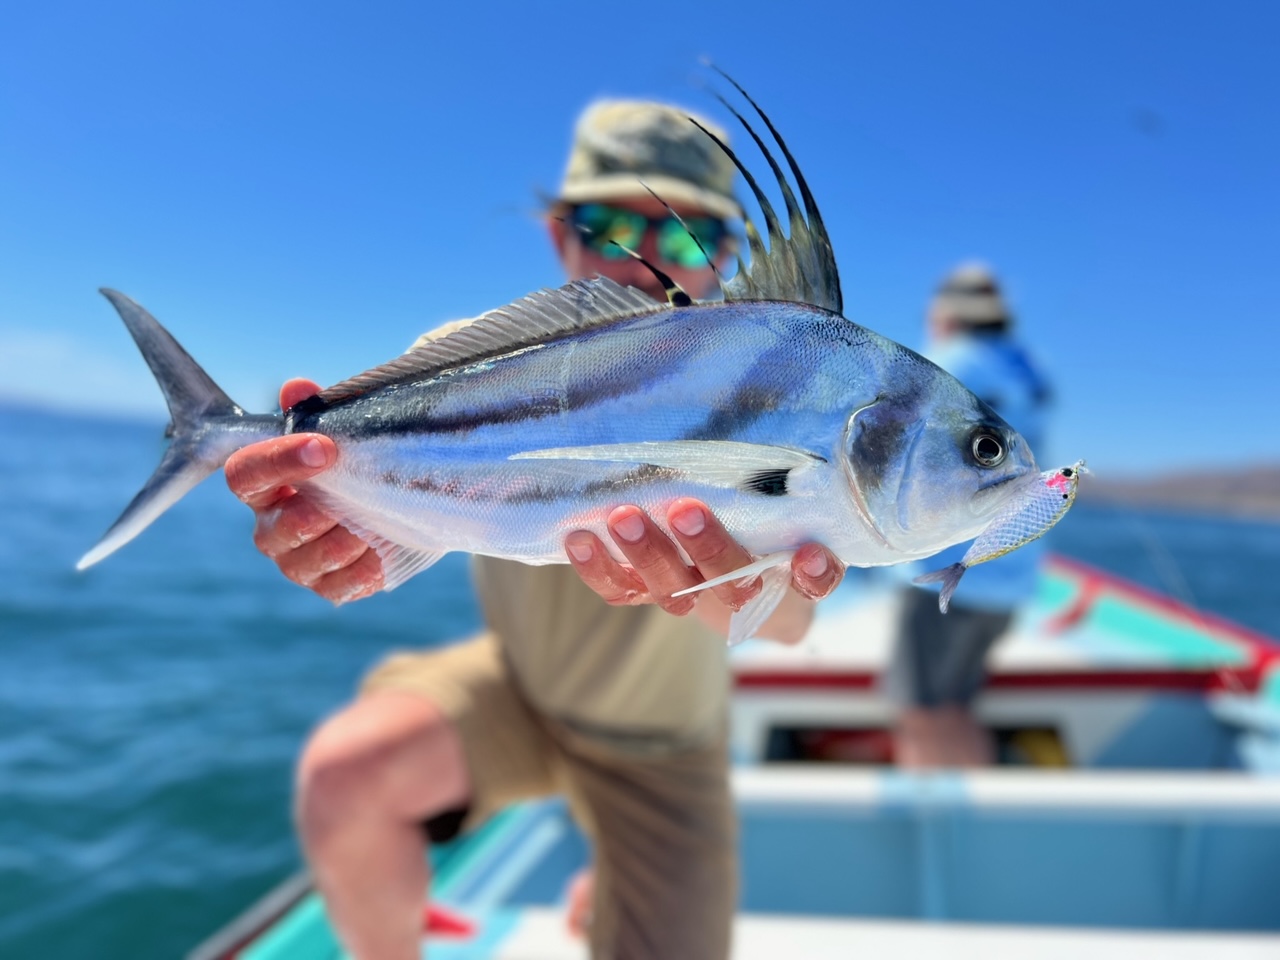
(791, 422)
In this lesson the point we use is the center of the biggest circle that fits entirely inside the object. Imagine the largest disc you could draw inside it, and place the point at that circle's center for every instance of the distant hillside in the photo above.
(1246, 492)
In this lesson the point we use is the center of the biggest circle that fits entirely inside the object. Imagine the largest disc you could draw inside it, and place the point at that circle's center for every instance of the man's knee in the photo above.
(386, 755)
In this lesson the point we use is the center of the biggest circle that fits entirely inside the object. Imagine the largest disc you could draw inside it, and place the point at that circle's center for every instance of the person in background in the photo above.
(938, 662)
(589, 679)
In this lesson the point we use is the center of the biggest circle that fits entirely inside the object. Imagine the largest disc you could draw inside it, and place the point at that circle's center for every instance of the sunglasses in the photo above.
(602, 227)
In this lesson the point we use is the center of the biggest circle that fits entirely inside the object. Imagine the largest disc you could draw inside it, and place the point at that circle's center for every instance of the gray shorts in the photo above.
(939, 659)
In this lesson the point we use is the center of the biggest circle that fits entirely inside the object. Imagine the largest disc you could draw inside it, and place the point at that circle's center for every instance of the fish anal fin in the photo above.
(774, 571)
(767, 562)
(745, 623)
(399, 562)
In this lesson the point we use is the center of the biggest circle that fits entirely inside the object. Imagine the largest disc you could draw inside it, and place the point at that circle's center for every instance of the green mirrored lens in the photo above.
(599, 225)
(677, 246)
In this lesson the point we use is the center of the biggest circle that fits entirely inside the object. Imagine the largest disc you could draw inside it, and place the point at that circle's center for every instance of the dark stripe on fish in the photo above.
(758, 394)
(529, 490)
(417, 415)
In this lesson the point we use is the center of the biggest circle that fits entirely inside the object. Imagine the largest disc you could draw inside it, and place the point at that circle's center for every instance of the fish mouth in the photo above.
(979, 504)
(1001, 481)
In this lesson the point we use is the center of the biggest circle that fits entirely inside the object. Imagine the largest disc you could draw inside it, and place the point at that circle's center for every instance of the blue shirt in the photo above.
(999, 371)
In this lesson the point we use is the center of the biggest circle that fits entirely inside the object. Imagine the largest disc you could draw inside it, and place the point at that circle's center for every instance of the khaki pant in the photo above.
(662, 822)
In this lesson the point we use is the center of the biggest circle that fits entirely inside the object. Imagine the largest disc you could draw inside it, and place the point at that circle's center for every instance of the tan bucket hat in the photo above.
(971, 295)
(617, 144)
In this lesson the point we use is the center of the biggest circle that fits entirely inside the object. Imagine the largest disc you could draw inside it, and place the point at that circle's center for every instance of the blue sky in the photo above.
(300, 189)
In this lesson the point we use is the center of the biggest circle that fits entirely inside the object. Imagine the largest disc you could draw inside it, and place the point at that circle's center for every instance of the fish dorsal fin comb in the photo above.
(534, 319)
(801, 267)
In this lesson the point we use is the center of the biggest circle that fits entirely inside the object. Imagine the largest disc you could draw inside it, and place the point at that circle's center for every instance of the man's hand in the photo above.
(308, 545)
(656, 570)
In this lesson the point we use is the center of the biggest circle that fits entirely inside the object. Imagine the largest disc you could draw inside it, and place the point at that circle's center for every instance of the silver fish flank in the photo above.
(791, 422)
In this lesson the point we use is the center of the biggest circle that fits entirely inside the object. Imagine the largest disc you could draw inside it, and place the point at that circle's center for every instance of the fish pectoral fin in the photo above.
(754, 467)
(775, 576)
(949, 577)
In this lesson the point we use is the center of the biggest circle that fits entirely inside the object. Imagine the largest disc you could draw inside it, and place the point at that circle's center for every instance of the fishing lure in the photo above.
(1025, 518)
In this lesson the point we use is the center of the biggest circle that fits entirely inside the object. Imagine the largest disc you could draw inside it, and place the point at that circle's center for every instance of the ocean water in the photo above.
(151, 709)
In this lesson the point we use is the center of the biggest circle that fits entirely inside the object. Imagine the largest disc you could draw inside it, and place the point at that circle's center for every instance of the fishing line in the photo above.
(1168, 569)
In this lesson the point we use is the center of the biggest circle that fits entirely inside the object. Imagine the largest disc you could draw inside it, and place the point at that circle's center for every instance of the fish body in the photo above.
(1029, 515)
(791, 422)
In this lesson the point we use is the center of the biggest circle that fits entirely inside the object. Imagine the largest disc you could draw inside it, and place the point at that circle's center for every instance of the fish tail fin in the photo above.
(949, 577)
(205, 428)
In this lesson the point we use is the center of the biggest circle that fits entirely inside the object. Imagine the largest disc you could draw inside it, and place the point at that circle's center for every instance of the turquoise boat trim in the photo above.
(1270, 692)
(507, 874)
(482, 851)
(303, 933)
(1181, 644)
(1124, 620)
(1055, 590)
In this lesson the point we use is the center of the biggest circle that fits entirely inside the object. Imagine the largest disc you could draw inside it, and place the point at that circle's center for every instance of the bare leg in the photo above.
(581, 902)
(919, 742)
(969, 744)
(367, 779)
(941, 737)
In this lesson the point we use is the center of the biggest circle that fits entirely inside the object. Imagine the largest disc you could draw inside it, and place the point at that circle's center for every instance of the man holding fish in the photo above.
(616, 703)
(743, 431)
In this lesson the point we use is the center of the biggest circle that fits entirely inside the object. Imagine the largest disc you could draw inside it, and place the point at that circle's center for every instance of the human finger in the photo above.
(288, 524)
(654, 558)
(713, 551)
(334, 551)
(616, 584)
(296, 390)
(815, 571)
(262, 473)
(353, 582)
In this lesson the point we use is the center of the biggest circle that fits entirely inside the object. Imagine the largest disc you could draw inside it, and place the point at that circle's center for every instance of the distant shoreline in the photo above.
(1250, 493)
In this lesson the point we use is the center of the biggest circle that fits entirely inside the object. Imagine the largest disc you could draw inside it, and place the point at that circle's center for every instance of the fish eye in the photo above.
(987, 450)
(1067, 472)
